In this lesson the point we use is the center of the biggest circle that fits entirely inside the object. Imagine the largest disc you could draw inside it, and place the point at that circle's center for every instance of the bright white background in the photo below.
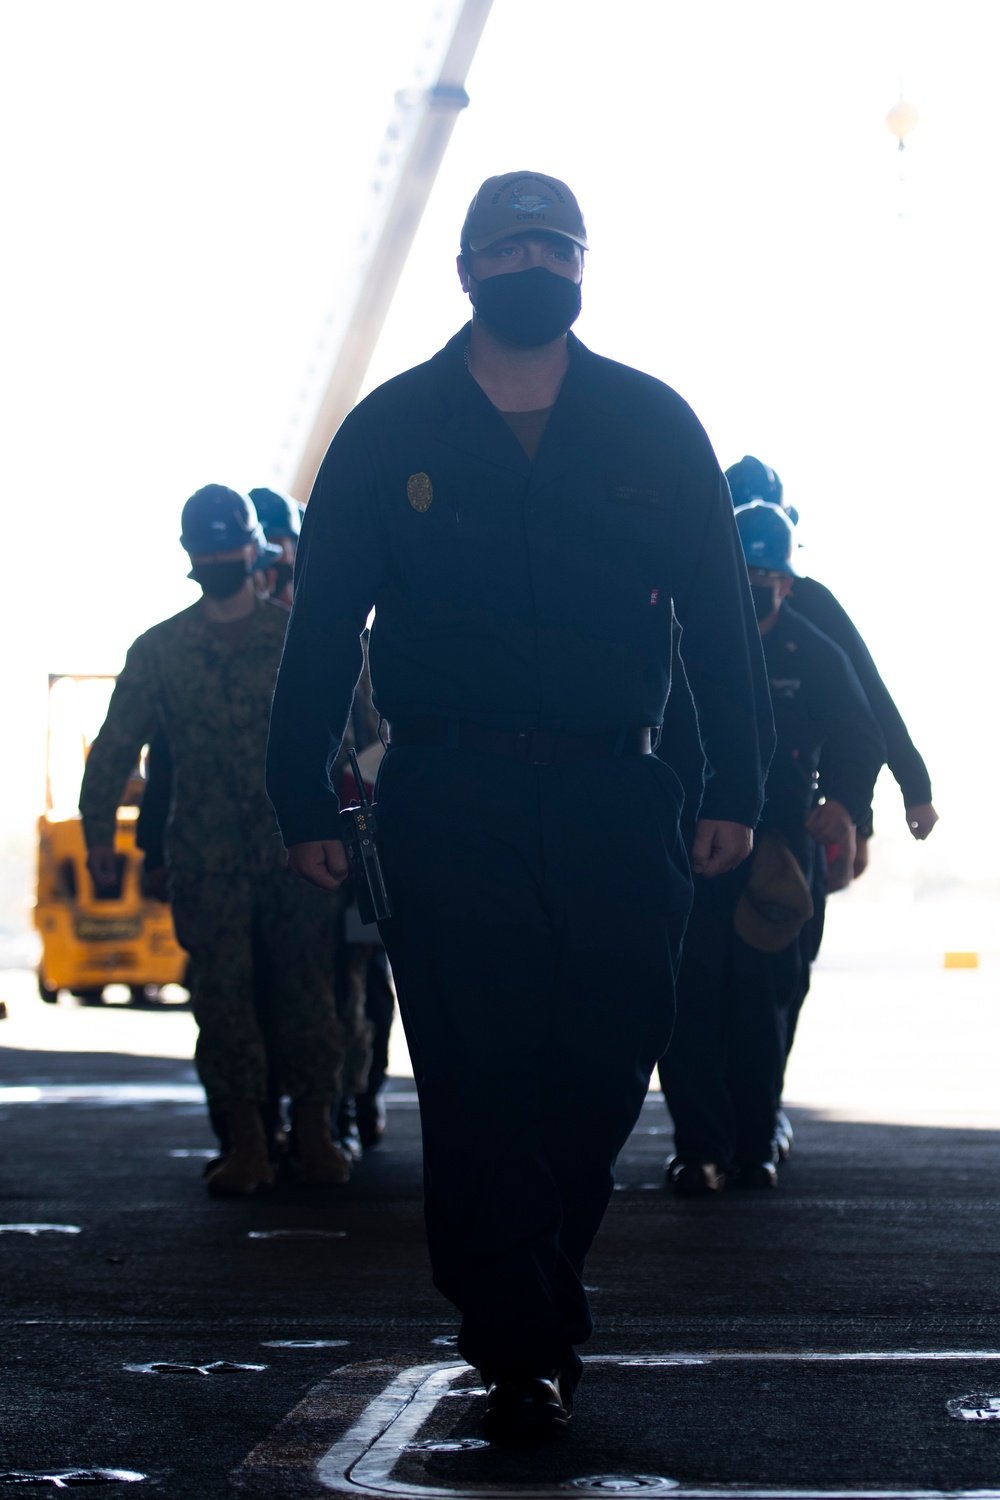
(184, 189)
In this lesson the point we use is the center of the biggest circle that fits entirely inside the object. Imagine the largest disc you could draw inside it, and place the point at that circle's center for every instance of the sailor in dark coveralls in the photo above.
(744, 956)
(528, 519)
(751, 480)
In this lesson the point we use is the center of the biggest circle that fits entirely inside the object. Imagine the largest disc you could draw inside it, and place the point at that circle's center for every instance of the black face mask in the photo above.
(529, 308)
(763, 599)
(282, 576)
(221, 580)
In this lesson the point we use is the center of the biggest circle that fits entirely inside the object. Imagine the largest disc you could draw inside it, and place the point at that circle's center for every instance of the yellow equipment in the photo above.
(91, 939)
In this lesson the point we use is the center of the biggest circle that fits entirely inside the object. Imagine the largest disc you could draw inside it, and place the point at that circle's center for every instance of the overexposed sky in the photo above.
(185, 187)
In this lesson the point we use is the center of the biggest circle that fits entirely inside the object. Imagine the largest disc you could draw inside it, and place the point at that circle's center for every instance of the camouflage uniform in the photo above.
(232, 897)
(296, 925)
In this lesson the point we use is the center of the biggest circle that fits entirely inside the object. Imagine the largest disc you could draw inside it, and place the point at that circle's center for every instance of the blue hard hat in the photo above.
(768, 537)
(752, 480)
(277, 513)
(218, 519)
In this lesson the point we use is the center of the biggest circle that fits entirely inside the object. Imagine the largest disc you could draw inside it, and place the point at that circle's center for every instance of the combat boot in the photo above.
(321, 1159)
(348, 1136)
(245, 1166)
(369, 1112)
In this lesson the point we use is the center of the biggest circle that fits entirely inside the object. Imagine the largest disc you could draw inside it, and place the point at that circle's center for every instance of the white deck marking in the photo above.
(297, 1234)
(621, 1484)
(172, 1367)
(106, 1093)
(978, 1407)
(37, 1229)
(362, 1461)
(62, 1479)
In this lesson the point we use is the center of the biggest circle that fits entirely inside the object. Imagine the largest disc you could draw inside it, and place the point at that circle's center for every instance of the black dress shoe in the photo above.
(755, 1174)
(525, 1408)
(694, 1179)
(369, 1112)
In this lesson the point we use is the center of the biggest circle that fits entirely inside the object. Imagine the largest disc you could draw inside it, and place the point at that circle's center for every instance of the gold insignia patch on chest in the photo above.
(420, 491)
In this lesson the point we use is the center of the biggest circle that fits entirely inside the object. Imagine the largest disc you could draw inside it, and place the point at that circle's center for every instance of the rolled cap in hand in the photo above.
(218, 519)
(776, 902)
(517, 202)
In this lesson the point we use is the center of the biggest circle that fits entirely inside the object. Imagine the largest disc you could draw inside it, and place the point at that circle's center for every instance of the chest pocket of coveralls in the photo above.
(449, 536)
(629, 521)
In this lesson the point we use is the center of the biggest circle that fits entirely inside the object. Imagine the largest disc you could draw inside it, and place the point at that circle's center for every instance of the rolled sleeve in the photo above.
(131, 723)
(339, 567)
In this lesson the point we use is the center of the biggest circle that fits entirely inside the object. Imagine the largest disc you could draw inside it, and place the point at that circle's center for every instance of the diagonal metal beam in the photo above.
(432, 114)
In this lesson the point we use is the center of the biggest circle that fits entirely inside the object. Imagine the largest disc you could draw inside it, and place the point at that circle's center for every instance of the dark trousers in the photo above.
(722, 1074)
(380, 1006)
(538, 919)
(810, 940)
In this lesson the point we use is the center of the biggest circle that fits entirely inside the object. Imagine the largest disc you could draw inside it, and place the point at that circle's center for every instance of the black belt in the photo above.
(537, 747)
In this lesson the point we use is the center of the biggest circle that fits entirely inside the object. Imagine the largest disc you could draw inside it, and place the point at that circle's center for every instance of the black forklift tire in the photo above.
(90, 997)
(46, 992)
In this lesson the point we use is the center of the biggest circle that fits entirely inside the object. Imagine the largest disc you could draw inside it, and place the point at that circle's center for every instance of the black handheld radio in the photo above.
(359, 831)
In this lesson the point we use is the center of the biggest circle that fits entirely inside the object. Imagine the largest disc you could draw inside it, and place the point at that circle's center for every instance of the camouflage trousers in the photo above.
(351, 983)
(262, 952)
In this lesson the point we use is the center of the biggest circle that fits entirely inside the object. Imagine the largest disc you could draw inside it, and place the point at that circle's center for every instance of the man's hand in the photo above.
(840, 870)
(103, 866)
(321, 861)
(921, 819)
(861, 858)
(830, 823)
(719, 847)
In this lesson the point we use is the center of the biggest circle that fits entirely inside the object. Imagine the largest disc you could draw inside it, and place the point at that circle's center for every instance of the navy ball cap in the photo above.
(218, 519)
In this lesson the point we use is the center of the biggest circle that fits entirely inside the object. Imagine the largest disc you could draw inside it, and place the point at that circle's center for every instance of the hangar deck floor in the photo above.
(838, 1337)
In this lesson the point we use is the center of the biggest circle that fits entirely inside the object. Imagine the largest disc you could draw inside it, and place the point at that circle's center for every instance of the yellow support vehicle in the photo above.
(92, 939)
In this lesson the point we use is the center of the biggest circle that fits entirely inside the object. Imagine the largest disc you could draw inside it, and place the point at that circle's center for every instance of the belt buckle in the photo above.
(537, 746)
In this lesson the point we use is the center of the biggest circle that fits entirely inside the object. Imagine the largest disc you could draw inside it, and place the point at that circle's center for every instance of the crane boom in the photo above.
(437, 109)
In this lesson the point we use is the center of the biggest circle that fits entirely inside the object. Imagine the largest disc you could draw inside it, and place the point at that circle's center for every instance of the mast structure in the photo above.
(413, 149)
